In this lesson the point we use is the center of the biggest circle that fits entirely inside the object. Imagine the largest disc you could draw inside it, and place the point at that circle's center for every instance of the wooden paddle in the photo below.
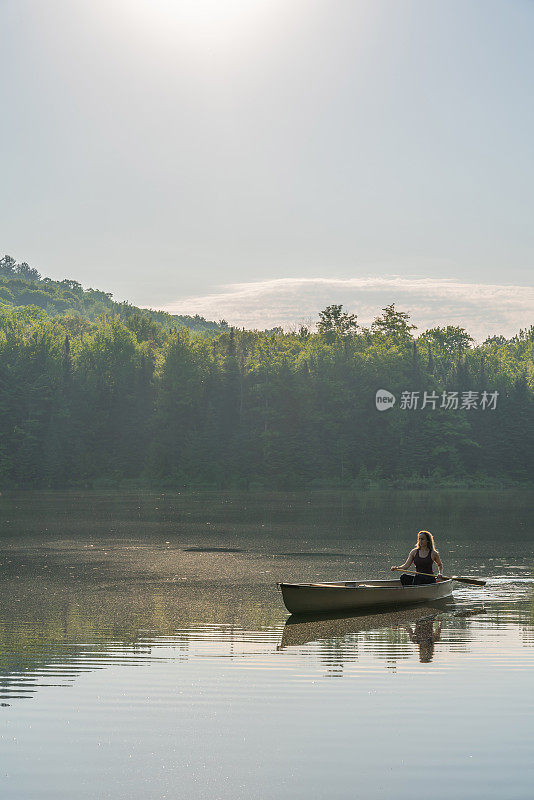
(473, 581)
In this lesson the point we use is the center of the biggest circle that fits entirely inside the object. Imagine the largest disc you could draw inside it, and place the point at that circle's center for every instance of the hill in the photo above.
(22, 285)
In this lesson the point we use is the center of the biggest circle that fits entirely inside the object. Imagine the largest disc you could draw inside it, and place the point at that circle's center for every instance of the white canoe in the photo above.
(302, 598)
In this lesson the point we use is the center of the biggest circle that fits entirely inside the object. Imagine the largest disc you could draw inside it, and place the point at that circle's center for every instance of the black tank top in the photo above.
(424, 564)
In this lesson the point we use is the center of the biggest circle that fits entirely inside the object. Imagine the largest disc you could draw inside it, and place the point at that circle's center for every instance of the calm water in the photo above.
(145, 652)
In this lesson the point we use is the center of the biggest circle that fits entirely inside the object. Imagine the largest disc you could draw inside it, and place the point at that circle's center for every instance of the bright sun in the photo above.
(199, 21)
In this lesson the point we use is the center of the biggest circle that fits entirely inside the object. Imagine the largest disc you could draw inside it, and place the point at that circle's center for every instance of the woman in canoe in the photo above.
(422, 557)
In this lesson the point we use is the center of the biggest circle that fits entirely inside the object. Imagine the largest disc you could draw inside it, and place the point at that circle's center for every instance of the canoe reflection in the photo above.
(419, 623)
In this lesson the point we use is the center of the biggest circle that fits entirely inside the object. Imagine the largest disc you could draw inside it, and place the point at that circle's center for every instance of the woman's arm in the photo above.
(437, 559)
(407, 563)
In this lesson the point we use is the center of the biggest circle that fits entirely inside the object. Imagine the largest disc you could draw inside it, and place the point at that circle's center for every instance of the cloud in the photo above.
(484, 309)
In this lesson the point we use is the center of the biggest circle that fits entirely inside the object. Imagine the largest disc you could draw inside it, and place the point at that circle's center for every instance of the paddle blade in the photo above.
(473, 581)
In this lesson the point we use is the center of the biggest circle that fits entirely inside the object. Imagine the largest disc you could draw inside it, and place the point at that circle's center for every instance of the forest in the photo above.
(114, 396)
(22, 285)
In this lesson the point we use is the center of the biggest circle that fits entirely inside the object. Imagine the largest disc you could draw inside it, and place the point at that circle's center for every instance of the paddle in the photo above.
(473, 581)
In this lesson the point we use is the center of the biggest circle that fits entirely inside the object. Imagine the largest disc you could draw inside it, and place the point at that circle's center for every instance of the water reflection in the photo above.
(149, 635)
(385, 634)
(80, 592)
(425, 633)
(302, 629)
(78, 637)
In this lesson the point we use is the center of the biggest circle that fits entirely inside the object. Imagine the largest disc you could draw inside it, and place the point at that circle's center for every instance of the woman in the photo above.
(423, 557)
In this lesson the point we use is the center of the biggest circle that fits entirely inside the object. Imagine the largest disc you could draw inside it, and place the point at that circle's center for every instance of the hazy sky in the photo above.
(259, 159)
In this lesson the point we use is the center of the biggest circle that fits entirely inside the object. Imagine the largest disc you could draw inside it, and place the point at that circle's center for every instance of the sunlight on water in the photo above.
(130, 684)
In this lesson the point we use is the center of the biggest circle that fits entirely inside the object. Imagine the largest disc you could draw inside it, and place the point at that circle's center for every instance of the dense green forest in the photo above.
(92, 396)
(22, 285)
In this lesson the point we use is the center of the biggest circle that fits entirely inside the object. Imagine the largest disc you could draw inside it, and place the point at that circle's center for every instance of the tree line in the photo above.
(125, 400)
(22, 285)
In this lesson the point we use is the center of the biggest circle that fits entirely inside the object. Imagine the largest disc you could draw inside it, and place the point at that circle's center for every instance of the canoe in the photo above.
(306, 598)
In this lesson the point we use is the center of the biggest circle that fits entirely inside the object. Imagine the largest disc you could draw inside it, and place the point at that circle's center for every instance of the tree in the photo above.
(446, 349)
(180, 409)
(27, 272)
(7, 265)
(334, 323)
(110, 404)
(449, 340)
(74, 286)
(394, 324)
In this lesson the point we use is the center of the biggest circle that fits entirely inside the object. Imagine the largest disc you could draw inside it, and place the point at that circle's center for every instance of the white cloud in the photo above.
(484, 309)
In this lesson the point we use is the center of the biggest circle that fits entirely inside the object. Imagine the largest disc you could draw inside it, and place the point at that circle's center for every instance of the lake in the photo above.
(146, 653)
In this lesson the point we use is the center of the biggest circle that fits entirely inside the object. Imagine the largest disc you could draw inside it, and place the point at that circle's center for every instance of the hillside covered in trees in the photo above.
(22, 285)
(102, 398)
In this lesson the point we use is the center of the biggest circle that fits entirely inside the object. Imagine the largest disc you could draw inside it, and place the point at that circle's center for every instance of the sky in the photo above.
(258, 160)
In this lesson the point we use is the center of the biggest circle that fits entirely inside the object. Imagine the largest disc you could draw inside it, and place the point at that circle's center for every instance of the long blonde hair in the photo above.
(429, 541)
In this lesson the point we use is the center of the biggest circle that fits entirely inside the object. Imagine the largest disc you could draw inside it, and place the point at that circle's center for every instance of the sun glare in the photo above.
(205, 22)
